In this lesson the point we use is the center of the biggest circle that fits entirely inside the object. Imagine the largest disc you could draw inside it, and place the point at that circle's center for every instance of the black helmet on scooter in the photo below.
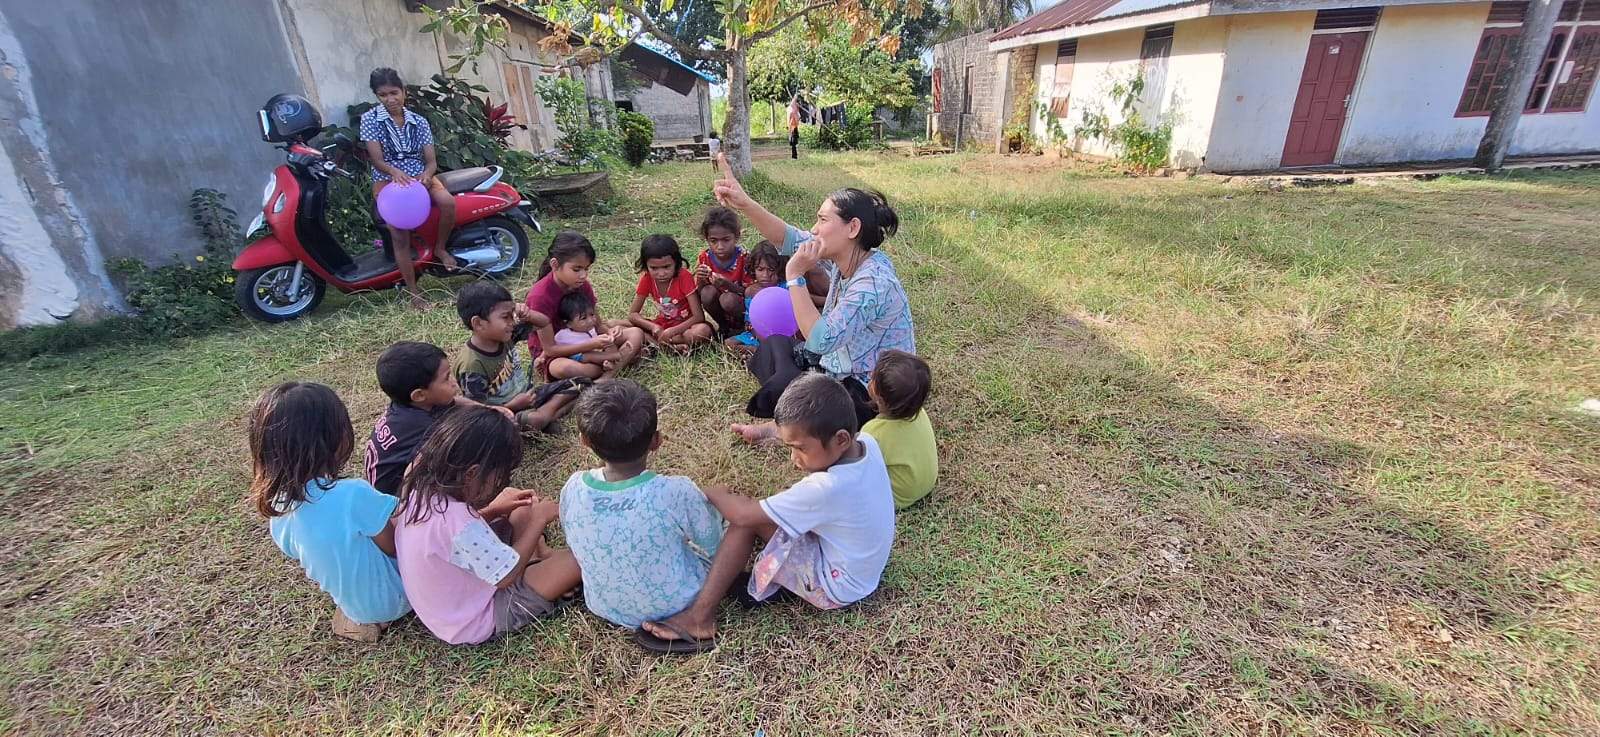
(287, 118)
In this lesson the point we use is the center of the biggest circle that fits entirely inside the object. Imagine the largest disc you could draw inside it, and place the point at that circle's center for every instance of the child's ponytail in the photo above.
(299, 432)
(878, 219)
(566, 246)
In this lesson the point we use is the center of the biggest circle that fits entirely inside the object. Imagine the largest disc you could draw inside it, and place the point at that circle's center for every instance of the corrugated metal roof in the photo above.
(1079, 12)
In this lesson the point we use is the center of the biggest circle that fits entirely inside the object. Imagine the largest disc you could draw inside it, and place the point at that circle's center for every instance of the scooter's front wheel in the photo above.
(510, 244)
(264, 294)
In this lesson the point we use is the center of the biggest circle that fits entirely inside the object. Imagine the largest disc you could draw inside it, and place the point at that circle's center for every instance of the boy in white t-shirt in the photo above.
(828, 536)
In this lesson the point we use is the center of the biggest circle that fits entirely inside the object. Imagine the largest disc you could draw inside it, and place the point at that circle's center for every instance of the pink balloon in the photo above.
(771, 313)
(404, 207)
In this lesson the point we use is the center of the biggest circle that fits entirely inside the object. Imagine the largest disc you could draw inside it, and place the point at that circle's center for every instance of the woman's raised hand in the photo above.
(727, 190)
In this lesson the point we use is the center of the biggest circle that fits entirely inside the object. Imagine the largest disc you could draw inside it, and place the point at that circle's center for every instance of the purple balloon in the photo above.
(771, 313)
(404, 207)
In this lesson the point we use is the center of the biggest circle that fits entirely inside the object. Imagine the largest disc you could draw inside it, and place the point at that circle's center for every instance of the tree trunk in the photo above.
(772, 106)
(736, 127)
(1506, 108)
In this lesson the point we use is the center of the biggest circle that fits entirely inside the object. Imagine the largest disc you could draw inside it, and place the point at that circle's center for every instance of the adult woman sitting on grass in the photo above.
(866, 311)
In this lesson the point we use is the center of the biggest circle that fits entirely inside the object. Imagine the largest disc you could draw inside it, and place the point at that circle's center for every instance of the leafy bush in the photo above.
(189, 296)
(637, 133)
(582, 141)
(856, 133)
(349, 212)
(1141, 146)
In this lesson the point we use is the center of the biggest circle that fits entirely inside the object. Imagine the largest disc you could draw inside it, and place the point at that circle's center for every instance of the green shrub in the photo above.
(1141, 146)
(638, 132)
(192, 295)
(583, 142)
(856, 132)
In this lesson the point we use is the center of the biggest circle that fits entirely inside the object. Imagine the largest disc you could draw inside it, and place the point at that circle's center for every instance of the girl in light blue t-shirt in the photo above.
(338, 530)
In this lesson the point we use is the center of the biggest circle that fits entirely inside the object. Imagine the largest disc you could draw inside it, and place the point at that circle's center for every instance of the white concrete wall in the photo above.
(1194, 75)
(1411, 82)
(1194, 79)
(1265, 56)
(1102, 62)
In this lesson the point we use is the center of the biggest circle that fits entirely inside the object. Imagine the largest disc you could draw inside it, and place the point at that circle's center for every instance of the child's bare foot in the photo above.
(419, 302)
(343, 627)
(765, 433)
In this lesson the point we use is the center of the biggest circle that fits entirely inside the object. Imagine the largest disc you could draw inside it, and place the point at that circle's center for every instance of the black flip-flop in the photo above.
(685, 645)
(554, 389)
(741, 594)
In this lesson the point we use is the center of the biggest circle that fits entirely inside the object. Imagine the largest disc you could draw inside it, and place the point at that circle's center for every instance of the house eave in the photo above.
(1190, 12)
(1108, 25)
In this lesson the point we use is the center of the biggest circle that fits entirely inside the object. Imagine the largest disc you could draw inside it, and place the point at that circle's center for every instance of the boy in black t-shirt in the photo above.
(421, 388)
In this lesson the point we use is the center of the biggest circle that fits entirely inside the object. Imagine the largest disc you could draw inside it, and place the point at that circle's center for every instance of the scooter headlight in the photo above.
(266, 193)
(256, 224)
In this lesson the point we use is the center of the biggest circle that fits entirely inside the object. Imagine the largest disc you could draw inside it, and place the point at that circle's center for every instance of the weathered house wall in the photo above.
(115, 113)
(677, 117)
(962, 63)
(119, 110)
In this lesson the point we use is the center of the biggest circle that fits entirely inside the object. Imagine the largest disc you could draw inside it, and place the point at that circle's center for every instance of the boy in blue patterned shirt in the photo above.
(644, 541)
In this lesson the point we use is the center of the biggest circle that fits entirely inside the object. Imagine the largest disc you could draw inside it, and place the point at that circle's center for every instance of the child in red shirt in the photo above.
(679, 324)
(723, 271)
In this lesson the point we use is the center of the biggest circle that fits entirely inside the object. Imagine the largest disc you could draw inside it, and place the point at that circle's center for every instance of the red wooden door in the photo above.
(1332, 63)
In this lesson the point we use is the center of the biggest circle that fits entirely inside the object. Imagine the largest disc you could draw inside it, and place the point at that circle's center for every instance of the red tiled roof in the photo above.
(1072, 13)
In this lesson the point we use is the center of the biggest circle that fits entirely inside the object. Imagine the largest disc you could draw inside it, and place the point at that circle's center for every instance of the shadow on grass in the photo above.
(1190, 569)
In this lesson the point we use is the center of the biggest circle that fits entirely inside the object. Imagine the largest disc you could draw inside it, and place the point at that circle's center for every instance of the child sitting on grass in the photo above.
(722, 272)
(466, 583)
(766, 268)
(644, 541)
(338, 530)
(679, 324)
(899, 387)
(565, 270)
(421, 387)
(488, 367)
(577, 311)
(828, 536)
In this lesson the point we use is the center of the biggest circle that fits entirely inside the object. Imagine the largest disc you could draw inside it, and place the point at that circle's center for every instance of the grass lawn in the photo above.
(1217, 461)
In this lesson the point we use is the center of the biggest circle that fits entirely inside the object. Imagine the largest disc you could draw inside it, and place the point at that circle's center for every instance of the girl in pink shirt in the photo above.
(467, 581)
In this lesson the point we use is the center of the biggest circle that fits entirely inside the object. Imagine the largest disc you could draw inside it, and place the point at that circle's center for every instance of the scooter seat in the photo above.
(465, 180)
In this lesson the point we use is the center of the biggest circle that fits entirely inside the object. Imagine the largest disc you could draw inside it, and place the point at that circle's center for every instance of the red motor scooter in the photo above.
(285, 274)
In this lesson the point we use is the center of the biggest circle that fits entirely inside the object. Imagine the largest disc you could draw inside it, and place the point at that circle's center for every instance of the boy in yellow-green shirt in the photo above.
(899, 387)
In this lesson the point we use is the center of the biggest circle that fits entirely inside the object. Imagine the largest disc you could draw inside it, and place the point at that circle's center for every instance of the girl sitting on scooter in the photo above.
(400, 146)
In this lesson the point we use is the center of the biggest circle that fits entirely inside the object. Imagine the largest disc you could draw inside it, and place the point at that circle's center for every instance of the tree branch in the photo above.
(786, 21)
(684, 50)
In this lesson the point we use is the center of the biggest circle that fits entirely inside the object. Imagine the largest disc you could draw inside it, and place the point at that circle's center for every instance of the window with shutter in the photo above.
(1061, 92)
